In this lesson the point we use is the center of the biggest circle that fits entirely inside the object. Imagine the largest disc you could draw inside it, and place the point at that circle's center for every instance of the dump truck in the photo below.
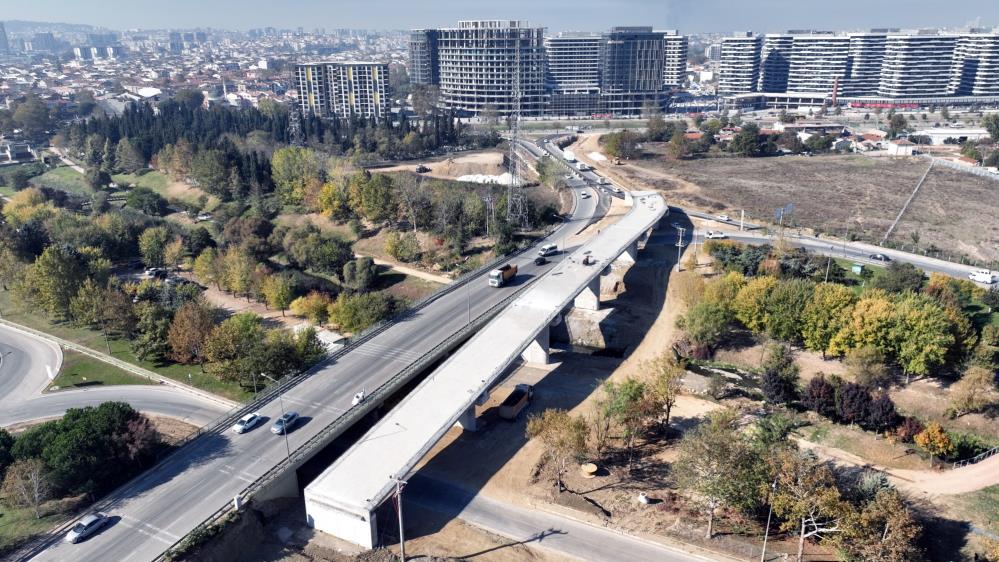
(516, 402)
(502, 275)
(569, 155)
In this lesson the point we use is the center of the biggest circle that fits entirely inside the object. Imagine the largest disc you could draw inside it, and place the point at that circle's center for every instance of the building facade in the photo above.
(739, 64)
(631, 70)
(975, 69)
(4, 45)
(775, 62)
(674, 59)
(572, 63)
(818, 63)
(917, 65)
(423, 63)
(482, 64)
(343, 89)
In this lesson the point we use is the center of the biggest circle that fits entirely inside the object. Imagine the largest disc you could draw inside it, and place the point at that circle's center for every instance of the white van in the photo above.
(548, 250)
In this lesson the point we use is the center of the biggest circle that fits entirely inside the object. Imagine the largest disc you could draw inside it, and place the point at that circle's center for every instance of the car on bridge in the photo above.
(247, 422)
(87, 526)
(284, 423)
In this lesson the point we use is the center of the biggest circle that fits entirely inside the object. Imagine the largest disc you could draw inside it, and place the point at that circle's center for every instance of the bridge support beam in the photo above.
(467, 420)
(358, 529)
(589, 297)
(537, 351)
(629, 256)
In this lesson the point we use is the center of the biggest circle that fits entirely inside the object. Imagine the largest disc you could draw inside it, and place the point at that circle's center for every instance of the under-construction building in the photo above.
(573, 73)
(423, 65)
(344, 89)
(631, 70)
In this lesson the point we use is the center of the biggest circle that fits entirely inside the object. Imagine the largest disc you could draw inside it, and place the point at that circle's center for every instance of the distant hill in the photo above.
(21, 26)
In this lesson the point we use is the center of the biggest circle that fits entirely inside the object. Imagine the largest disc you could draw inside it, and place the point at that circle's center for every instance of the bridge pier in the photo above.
(629, 256)
(467, 420)
(589, 297)
(537, 351)
(358, 529)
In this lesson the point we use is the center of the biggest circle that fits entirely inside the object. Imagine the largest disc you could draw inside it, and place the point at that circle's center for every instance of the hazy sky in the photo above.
(688, 16)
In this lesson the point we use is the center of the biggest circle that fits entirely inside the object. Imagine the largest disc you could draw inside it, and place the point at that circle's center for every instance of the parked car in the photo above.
(284, 423)
(421, 169)
(85, 527)
(247, 422)
(880, 257)
(204, 217)
(716, 234)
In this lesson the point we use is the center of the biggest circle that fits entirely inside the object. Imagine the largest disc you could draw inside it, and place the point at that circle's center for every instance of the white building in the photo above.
(739, 63)
(951, 135)
(675, 59)
(818, 63)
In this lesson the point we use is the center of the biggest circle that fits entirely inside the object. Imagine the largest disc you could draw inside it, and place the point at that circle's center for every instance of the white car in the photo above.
(247, 422)
(585, 195)
(724, 218)
(85, 527)
(618, 190)
(358, 398)
(982, 276)
(717, 234)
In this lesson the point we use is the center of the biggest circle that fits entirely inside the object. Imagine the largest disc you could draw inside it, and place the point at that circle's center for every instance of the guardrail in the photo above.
(345, 421)
(977, 458)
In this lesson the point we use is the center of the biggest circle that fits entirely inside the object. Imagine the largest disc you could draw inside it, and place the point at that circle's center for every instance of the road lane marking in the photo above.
(141, 528)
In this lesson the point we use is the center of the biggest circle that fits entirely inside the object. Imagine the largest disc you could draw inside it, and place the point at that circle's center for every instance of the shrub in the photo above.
(820, 397)
(853, 403)
(908, 429)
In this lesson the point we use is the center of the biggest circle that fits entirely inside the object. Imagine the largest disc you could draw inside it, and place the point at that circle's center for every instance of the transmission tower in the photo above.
(516, 204)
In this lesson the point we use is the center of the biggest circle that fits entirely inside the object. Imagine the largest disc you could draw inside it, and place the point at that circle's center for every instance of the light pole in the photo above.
(284, 428)
(766, 535)
(399, 483)
(679, 245)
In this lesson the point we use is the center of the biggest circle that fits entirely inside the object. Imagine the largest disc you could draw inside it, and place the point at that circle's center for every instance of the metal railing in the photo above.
(977, 458)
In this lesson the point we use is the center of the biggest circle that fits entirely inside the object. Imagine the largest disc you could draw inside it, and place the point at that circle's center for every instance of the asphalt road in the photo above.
(23, 376)
(537, 528)
(169, 500)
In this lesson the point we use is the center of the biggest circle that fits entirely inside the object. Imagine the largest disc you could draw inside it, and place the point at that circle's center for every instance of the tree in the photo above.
(152, 342)
(853, 403)
(314, 307)
(870, 324)
(665, 384)
(897, 125)
(295, 170)
(278, 292)
(883, 529)
(33, 116)
(935, 441)
(921, 334)
(705, 323)
(355, 313)
(784, 309)
(805, 495)
(237, 268)
(26, 484)
(780, 375)
(26, 206)
(190, 328)
(716, 464)
(55, 278)
(231, 351)
(207, 268)
(750, 302)
(678, 147)
(152, 243)
(825, 314)
(820, 396)
(974, 391)
(147, 201)
(360, 274)
(867, 366)
(624, 404)
(564, 440)
(900, 277)
(97, 178)
(622, 144)
(747, 141)
(372, 195)
(173, 253)
(209, 169)
(403, 247)
(881, 414)
(252, 233)
(128, 157)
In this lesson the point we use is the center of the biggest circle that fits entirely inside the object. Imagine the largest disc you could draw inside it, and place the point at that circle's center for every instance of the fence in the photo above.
(976, 170)
(977, 458)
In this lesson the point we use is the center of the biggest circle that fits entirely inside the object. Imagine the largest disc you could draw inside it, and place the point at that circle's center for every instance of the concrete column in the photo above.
(589, 297)
(467, 420)
(629, 255)
(536, 352)
(356, 528)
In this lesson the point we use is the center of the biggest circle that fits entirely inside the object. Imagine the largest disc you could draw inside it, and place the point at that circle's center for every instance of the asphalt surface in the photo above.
(24, 375)
(537, 528)
(169, 500)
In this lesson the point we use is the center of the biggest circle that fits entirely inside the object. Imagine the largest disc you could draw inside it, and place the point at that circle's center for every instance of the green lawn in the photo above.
(79, 370)
(190, 374)
(160, 183)
(7, 191)
(17, 525)
(63, 178)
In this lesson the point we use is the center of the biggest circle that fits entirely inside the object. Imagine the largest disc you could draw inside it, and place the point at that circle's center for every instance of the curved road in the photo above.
(23, 377)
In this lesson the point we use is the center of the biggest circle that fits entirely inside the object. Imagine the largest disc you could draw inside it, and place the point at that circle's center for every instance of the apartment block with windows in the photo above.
(674, 59)
(975, 69)
(423, 64)
(631, 70)
(918, 65)
(313, 89)
(818, 63)
(573, 73)
(739, 63)
(343, 89)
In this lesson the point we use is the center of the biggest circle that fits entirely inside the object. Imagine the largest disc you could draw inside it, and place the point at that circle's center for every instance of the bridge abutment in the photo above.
(537, 351)
(589, 297)
(358, 529)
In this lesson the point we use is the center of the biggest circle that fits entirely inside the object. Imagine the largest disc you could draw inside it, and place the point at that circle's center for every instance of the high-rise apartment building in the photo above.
(483, 64)
(739, 63)
(863, 74)
(343, 89)
(573, 73)
(423, 63)
(631, 70)
(818, 63)
(917, 65)
(975, 69)
(674, 59)
(775, 62)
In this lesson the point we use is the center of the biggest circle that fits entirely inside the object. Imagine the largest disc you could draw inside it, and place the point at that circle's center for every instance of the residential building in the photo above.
(631, 70)
(424, 67)
(975, 69)
(739, 63)
(573, 73)
(918, 65)
(343, 89)
(713, 52)
(674, 59)
(484, 64)
(817, 63)
(775, 62)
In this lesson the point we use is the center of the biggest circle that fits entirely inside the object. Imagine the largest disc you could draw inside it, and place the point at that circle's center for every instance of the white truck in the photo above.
(983, 276)
(569, 155)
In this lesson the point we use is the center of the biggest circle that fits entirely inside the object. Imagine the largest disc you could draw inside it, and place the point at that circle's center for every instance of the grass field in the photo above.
(190, 374)
(16, 525)
(839, 194)
(63, 178)
(79, 371)
(168, 189)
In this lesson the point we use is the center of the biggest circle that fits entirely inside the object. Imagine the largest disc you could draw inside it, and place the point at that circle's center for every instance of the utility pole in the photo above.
(766, 535)
(399, 483)
(742, 221)
(679, 245)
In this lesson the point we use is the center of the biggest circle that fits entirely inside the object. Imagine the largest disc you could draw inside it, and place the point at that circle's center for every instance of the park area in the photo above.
(853, 196)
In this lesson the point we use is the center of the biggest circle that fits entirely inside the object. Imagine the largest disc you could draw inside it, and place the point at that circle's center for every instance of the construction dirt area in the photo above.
(849, 195)
(453, 167)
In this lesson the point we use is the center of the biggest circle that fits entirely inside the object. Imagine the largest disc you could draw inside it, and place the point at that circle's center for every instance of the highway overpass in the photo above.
(200, 482)
(344, 499)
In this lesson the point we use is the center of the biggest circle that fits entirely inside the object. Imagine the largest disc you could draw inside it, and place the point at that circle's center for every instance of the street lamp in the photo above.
(399, 484)
(766, 535)
(284, 428)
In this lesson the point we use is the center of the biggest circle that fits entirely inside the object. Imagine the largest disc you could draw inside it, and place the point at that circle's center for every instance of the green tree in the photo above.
(152, 242)
(564, 440)
(278, 291)
(403, 247)
(991, 124)
(705, 323)
(33, 116)
(870, 324)
(784, 309)
(128, 157)
(147, 201)
(883, 529)
(231, 351)
(314, 306)
(750, 302)
(921, 334)
(208, 268)
(780, 375)
(867, 366)
(806, 497)
(899, 278)
(747, 141)
(237, 268)
(824, 315)
(151, 343)
(372, 196)
(355, 313)
(664, 386)
(626, 408)
(210, 170)
(295, 171)
(360, 274)
(678, 147)
(716, 464)
(55, 278)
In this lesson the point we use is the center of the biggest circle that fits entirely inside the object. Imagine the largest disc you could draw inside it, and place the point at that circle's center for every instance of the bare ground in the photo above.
(451, 168)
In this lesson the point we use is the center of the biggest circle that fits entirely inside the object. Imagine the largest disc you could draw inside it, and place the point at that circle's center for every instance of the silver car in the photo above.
(284, 423)
(247, 422)
(86, 527)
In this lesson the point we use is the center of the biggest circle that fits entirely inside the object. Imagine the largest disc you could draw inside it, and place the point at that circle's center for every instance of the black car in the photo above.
(540, 260)
(880, 257)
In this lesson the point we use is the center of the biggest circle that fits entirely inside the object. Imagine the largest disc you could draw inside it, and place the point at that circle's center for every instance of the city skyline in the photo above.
(708, 16)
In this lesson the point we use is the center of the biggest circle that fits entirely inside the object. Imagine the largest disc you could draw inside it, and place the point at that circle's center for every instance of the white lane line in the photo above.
(142, 529)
